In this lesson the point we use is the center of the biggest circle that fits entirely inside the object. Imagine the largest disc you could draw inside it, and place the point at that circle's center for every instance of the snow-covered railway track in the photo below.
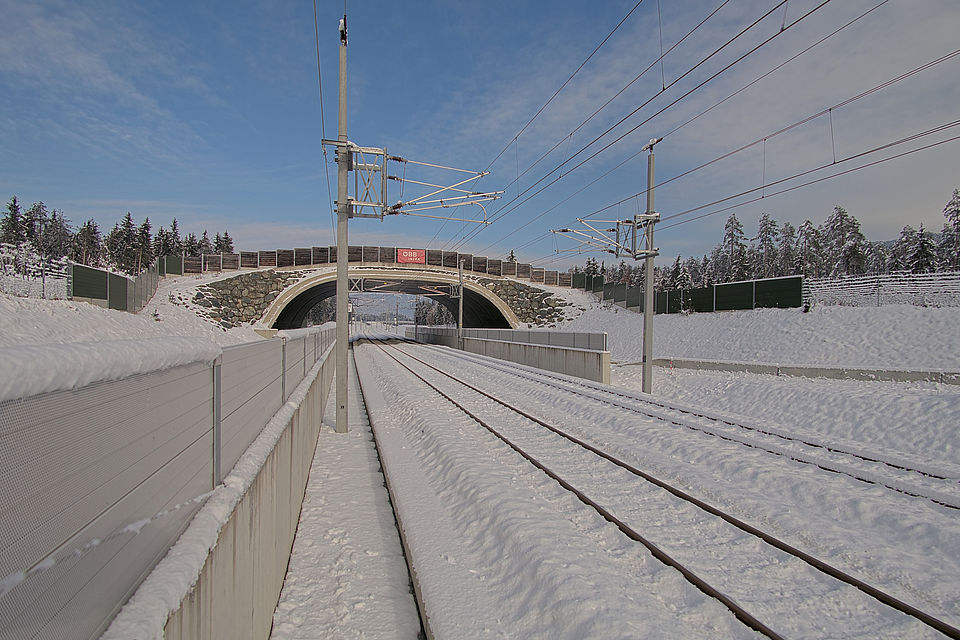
(908, 477)
(711, 548)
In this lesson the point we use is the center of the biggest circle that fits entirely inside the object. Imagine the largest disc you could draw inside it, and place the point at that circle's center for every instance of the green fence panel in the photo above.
(699, 300)
(174, 265)
(780, 293)
(608, 291)
(675, 300)
(89, 282)
(660, 302)
(620, 293)
(634, 297)
(118, 292)
(597, 285)
(734, 296)
(579, 281)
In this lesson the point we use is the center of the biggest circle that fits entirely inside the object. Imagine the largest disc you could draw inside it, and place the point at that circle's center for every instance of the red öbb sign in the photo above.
(412, 256)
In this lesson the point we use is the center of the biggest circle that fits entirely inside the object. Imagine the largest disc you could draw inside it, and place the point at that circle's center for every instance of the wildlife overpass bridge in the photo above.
(495, 294)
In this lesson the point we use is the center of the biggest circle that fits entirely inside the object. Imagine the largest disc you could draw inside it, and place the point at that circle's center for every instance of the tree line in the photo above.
(128, 247)
(835, 248)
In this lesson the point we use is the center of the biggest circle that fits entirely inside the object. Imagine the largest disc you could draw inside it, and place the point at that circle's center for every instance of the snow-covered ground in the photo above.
(916, 421)
(893, 336)
(544, 565)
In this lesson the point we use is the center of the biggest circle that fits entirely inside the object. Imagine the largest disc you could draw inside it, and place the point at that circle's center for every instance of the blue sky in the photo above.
(209, 112)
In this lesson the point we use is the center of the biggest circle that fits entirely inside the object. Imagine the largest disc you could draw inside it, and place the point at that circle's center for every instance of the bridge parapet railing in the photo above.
(105, 463)
(320, 256)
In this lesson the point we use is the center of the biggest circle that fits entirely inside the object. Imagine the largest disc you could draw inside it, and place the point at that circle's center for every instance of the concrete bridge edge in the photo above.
(428, 275)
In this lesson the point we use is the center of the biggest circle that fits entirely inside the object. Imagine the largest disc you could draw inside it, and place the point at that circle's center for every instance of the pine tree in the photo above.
(591, 268)
(899, 257)
(144, 244)
(923, 259)
(161, 243)
(218, 243)
(511, 257)
(786, 250)
(948, 249)
(121, 245)
(206, 247)
(35, 220)
(87, 244)
(765, 265)
(877, 257)
(11, 227)
(57, 236)
(734, 250)
(227, 243)
(809, 251)
(191, 246)
(176, 244)
(673, 275)
(844, 243)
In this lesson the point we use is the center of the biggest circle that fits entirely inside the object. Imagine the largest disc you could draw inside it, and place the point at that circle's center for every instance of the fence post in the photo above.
(217, 404)
(283, 370)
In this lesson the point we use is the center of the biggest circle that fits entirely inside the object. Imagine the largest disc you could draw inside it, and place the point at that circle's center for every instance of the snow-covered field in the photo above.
(914, 421)
(893, 336)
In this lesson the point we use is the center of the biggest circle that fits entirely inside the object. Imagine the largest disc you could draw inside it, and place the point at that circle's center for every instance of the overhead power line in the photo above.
(764, 194)
(323, 129)
(763, 139)
(618, 94)
(514, 204)
(565, 83)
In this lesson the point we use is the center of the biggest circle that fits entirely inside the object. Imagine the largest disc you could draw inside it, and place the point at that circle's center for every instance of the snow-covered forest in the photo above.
(835, 248)
(128, 247)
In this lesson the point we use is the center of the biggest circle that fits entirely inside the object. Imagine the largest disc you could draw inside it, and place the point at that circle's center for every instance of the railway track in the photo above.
(715, 551)
(939, 486)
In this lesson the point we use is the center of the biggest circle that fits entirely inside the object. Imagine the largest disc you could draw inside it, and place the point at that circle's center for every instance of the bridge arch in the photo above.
(481, 306)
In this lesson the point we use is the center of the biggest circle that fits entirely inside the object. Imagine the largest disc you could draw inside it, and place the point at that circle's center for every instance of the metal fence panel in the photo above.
(620, 293)
(174, 265)
(89, 282)
(734, 296)
(700, 300)
(250, 395)
(783, 293)
(77, 468)
(116, 292)
(284, 257)
(293, 369)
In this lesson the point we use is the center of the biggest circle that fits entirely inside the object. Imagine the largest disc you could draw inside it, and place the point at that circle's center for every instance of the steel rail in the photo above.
(391, 496)
(881, 596)
(739, 612)
(538, 377)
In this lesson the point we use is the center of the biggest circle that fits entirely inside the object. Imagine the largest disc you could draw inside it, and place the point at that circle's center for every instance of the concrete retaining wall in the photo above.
(836, 373)
(548, 350)
(239, 585)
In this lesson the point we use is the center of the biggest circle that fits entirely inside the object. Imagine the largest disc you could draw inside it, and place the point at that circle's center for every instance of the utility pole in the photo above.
(600, 239)
(343, 215)
(648, 301)
(460, 316)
